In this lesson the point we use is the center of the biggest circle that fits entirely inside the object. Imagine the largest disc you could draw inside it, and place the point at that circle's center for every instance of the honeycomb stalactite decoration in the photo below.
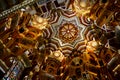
(81, 7)
(104, 12)
(88, 59)
(68, 32)
(24, 35)
(39, 22)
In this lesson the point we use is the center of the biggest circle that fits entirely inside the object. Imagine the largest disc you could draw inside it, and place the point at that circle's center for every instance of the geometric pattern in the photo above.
(67, 31)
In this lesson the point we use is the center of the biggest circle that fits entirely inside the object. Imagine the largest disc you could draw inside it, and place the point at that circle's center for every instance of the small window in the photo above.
(57, 4)
(104, 1)
(49, 6)
(44, 9)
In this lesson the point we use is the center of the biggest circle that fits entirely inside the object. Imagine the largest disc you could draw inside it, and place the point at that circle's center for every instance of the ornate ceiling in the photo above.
(68, 32)
(64, 40)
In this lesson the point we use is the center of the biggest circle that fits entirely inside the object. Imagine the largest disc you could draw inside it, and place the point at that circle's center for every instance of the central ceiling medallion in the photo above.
(68, 32)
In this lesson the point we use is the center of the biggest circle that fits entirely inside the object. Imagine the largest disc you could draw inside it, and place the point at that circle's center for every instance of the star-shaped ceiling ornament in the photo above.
(67, 31)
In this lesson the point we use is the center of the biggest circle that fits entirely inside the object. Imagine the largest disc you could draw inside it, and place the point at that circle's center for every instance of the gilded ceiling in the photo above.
(65, 39)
